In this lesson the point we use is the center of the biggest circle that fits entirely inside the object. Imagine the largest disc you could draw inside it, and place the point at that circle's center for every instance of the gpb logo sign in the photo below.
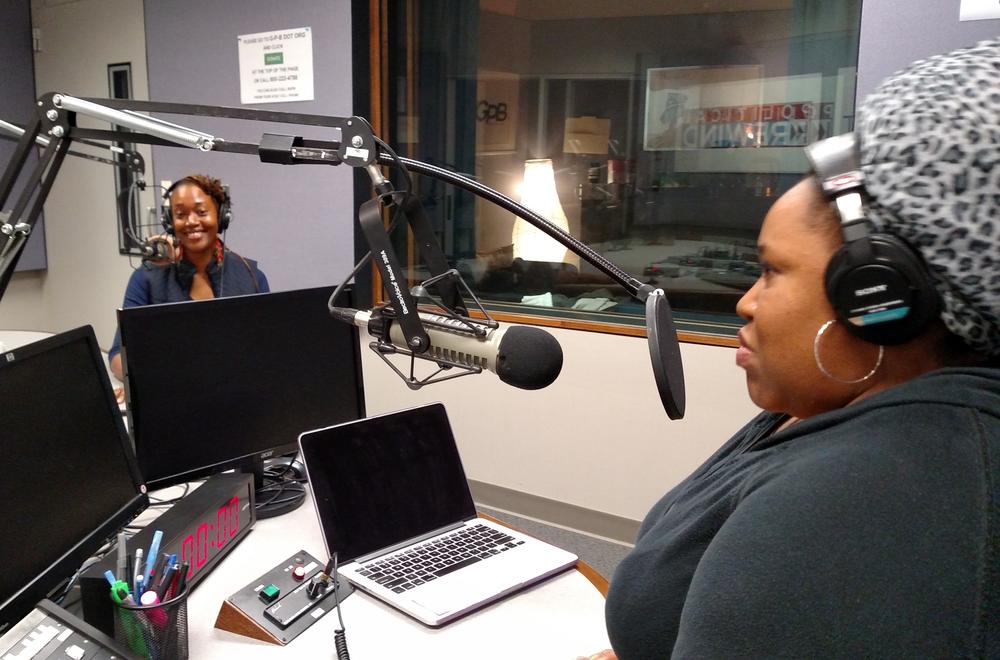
(495, 112)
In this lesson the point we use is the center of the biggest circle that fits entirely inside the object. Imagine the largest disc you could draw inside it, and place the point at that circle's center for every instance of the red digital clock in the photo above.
(208, 538)
(201, 529)
(212, 520)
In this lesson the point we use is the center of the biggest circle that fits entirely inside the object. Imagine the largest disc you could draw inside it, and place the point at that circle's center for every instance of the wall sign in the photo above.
(496, 111)
(975, 10)
(276, 67)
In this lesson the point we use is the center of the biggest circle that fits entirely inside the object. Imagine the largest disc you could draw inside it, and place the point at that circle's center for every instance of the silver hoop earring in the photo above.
(819, 362)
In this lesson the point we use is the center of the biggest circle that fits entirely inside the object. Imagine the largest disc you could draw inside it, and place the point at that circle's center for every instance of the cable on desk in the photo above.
(102, 552)
(282, 496)
(340, 634)
(283, 466)
(153, 502)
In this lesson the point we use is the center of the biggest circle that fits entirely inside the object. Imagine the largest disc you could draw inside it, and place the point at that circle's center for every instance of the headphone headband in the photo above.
(837, 164)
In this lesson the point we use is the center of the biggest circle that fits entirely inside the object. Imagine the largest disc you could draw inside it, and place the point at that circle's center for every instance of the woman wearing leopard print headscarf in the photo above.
(859, 516)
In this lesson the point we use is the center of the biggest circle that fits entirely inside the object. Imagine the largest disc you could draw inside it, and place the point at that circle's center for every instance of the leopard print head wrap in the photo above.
(930, 152)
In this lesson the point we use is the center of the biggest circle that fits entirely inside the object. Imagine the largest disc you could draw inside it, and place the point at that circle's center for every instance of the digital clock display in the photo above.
(209, 537)
(201, 529)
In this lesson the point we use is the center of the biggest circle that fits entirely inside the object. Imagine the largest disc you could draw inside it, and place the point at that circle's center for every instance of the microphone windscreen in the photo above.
(528, 357)
(665, 353)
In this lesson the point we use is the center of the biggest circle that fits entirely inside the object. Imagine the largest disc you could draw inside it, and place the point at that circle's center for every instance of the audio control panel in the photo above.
(284, 601)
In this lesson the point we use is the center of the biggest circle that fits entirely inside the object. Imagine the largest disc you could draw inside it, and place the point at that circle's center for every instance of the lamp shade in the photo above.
(538, 193)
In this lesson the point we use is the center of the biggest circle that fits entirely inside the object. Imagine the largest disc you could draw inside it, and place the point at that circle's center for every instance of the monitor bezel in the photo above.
(252, 462)
(62, 567)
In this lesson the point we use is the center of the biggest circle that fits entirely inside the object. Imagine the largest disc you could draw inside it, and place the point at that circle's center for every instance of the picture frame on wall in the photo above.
(732, 119)
(677, 97)
(497, 108)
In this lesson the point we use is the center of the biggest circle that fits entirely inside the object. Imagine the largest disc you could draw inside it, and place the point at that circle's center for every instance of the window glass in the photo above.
(657, 132)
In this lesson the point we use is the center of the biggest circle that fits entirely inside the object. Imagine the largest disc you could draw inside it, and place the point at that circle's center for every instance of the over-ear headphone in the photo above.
(225, 213)
(880, 288)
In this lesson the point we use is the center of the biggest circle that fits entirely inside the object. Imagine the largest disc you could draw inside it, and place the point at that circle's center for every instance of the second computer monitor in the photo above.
(219, 383)
(70, 479)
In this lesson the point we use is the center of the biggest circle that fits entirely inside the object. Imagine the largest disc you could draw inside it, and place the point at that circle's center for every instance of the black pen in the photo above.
(163, 585)
(156, 573)
(182, 576)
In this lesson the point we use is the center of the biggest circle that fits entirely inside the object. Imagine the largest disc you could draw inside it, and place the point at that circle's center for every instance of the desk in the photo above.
(560, 618)
(11, 339)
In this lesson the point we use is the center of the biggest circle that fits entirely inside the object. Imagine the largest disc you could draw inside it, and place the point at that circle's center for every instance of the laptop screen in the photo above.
(382, 480)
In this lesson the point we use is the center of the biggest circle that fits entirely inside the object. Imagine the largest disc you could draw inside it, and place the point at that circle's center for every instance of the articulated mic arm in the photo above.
(355, 146)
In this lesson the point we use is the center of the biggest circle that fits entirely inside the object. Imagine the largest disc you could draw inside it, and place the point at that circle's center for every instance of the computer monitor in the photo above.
(225, 383)
(70, 480)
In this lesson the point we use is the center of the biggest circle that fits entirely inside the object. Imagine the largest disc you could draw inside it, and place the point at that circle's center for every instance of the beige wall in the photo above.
(86, 276)
(598, 437)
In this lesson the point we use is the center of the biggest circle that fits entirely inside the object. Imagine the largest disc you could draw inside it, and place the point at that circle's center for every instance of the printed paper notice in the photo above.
(276, 66)
(975, 10)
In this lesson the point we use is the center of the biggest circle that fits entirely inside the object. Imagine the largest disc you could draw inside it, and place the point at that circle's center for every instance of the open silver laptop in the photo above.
(394, 504)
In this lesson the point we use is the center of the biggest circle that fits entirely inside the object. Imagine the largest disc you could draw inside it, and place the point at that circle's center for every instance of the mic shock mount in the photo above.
(436, 316)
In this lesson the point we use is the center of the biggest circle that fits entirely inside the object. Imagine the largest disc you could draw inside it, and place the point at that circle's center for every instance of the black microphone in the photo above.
(522, 356)
(155, 250)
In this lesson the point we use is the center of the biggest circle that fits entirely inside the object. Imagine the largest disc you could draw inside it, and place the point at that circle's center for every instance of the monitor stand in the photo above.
(278, 488)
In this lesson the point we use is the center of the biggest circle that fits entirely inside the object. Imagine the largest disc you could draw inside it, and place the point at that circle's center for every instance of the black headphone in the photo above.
(225, 214)
(878, 285)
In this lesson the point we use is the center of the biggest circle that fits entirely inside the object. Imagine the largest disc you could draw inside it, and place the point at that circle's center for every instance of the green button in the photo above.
(269, 593)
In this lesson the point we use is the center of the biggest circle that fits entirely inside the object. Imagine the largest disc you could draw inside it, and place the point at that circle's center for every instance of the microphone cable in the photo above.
(131, 224)
(133, 227)
(340, 634)
(399, 164)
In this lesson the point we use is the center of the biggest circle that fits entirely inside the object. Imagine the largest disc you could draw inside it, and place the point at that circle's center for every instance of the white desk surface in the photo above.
(560, 618)
(11, 339)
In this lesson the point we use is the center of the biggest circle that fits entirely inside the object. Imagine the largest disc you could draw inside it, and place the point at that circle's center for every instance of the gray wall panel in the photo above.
(897, 32)
(297, 221)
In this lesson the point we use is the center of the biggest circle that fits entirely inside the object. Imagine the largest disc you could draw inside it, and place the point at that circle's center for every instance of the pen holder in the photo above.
(157, 632)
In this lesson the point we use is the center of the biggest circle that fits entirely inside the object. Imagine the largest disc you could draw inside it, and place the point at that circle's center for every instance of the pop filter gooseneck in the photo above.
(664, 351)
(665, 354)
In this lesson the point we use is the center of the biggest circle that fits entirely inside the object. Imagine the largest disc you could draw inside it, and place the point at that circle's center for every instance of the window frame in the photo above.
(700, 328)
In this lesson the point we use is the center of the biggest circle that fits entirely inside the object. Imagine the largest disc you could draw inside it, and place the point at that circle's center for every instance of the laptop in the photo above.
(394, 504)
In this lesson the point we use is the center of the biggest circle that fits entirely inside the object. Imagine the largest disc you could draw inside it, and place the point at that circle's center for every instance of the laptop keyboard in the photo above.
(429, 561)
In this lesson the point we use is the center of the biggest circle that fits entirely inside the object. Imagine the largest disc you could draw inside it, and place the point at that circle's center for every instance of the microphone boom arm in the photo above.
(357, 147)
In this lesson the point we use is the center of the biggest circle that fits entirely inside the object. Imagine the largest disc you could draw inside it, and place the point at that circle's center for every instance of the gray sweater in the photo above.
(869, 531)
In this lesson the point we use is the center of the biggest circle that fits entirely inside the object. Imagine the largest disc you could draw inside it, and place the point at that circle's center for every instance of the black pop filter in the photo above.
(665, 353)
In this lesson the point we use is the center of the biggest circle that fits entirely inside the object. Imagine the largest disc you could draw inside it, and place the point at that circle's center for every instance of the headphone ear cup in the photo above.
(880, 290)
(225, 216)
(166, 217)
